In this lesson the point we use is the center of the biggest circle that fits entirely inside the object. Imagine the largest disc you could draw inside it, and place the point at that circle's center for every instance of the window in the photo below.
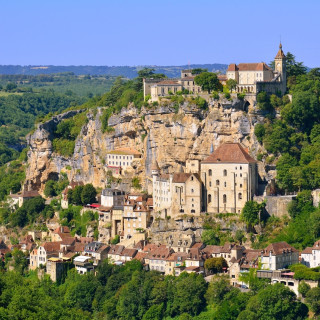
(209, 198)
(240, 185)
(210, 173)
(225, 184)
(224, 198)
(192, 191)
(240, 196)
(217, 182)
(240, 174)
(192, 178)
(192, 199)
(210, 184)
(225, 172)
(240, 168)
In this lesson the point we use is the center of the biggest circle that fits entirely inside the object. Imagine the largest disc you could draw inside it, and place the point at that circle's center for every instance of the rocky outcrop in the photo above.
(159, 133)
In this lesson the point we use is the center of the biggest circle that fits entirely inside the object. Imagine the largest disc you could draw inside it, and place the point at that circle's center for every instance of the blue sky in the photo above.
(163, 32)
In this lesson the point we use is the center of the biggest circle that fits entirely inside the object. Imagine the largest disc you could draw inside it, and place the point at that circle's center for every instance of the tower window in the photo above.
(225, 172)
(240, 196)
(217, 182)
(209, 198)
(210, 173)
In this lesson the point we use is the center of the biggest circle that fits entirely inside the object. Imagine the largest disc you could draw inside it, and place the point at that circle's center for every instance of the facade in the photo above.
(83, 264)
(41, 255)
(163, 87)
(55, 269)
(121, 159)
(178, 193)
(112, 197)
(279, 255)
(256, 77)
(230, 179)
(311, 256)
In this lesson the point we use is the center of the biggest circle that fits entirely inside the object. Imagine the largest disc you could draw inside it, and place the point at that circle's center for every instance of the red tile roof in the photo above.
(51, 246)
(229, 153)
(169, 82)
(140, 256)
(129, 252)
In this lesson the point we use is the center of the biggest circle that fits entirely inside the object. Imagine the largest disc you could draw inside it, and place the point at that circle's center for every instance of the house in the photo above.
(20, 198)
(55, 269)
(181, 242)
(157, 88)
(101, 254)
(112, 197)
(156, 258)
(175, 263)
(310, 256)
(252, 78)
(178, 193)
(230, 179)
(27, 243)
(83, 264)
(41, 255)
(279, 255)
(128, 254)
(60, 233)
(115, 252)
(121, 159)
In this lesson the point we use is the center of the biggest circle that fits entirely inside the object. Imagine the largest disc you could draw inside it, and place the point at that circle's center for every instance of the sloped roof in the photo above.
(168, 82)
(51, 246)
(129, 252)
(307, 250)
(182, 177)
(116, 249)
(229, 153)
(140, 256)
(278, 248)
(155, 165)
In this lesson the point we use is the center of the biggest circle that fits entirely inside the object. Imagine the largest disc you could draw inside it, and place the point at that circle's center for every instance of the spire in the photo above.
(280, 54)
(155, 166)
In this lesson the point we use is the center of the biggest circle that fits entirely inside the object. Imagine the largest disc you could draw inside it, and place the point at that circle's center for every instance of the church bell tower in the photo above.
(280, 68)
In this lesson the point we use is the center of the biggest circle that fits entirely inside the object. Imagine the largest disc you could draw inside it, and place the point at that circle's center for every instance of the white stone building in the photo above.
(279, 255)
(311, 256)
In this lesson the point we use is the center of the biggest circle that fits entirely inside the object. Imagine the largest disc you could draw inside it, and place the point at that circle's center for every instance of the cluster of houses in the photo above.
(184, 255)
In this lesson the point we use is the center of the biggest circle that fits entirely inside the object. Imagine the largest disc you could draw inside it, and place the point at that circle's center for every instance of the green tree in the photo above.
(49, 189)
(276, 302)
(293, 67)
(263, 102)
(208, 81)
(231, 84)
(303, 288)
(251, 212)
(215, 265)
(197, 71)
(88, 194)
(259, 131)
(313, 299)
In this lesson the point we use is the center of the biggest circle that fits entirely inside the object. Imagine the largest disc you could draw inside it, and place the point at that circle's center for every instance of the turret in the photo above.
(155, 169)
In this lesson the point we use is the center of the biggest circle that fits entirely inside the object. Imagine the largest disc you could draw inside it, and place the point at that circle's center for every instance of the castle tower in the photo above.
(155, 169)
(280, 67)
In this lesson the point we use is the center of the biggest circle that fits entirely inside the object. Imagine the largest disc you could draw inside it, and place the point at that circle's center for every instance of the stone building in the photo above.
(255, 77)
(230, 179)
(121, 159)
(112, 197)
(310, 256)
(163, 87)
(178, 193)
(279, 255)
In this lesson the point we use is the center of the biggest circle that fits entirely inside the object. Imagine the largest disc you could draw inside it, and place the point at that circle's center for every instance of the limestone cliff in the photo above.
(159, 133)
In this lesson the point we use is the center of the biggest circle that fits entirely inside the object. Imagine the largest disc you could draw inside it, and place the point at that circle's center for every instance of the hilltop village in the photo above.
(160, 221)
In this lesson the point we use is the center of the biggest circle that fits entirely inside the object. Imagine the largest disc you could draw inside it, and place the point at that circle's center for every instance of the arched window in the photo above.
(224, 198)
(217, 182)
(192, 191)
(191, 178)
(240, 196)
(225, 172)
(209, 198)
(210, 173)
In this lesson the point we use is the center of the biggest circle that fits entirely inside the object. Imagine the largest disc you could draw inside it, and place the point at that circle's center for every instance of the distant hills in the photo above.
(125, 71)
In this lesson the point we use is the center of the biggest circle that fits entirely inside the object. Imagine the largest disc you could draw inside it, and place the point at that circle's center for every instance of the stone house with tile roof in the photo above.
(310, 256)
(279, 255)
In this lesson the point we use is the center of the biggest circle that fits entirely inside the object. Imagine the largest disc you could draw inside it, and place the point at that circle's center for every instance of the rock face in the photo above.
(159, 133)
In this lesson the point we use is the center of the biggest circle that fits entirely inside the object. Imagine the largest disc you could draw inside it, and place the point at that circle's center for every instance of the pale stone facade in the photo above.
(311, 256)
(230, 179)
(163, 87)
(178, 193)
(121, 159)
(279, 255)
(256, 77)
